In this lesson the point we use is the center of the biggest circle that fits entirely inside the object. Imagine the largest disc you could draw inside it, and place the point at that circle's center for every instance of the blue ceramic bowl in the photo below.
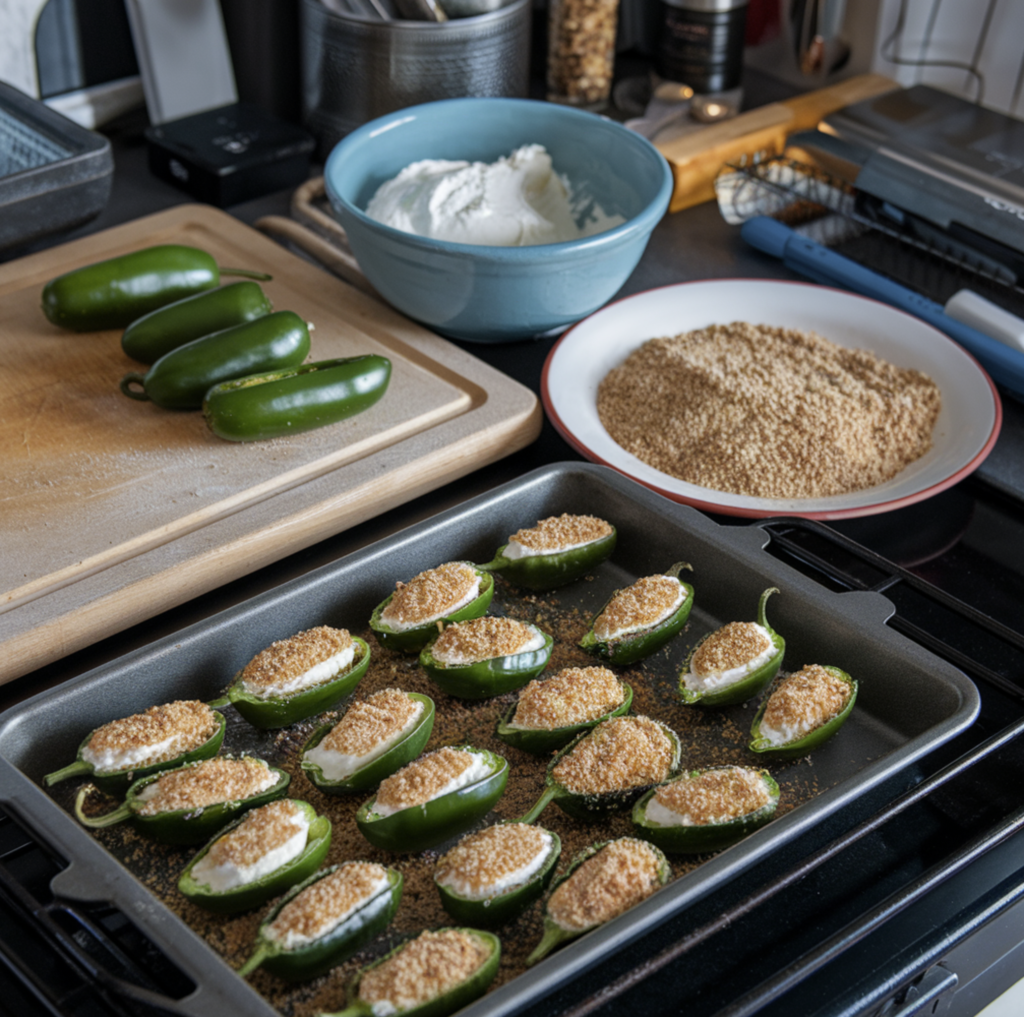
(494, 294)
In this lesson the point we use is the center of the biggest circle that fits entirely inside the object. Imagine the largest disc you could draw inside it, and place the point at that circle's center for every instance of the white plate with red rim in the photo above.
(965, 431)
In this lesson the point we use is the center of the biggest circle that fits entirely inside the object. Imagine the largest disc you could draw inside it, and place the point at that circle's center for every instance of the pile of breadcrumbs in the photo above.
(768, 412)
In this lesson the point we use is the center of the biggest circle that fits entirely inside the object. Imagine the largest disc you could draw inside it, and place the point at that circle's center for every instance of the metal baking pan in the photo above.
(910, 702)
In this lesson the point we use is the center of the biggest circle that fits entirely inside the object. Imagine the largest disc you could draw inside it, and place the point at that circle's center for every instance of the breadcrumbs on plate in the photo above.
(287, 659)
(431, 594)
(623, 873)
(424, 778)
(640, 605)
(188, 723)
(715, 796)
(207, 783)
(327, 901)
(806, 699)
(574, 695)
(618, 754)
(557, 533)
(482, 639)
(369, 723)
(424, 968)
(733, 645)
(768, 412)
(263, 830)
(491, 856)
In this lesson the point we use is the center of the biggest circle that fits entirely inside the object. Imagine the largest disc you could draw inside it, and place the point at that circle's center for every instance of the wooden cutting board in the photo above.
(112, 510)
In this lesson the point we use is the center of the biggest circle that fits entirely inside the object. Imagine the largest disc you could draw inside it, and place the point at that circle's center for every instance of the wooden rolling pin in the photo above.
(696, 158)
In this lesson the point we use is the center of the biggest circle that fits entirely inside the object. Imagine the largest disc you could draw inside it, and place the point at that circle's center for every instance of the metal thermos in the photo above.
(700, 43)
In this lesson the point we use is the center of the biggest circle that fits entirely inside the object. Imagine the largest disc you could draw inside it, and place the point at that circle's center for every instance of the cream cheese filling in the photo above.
(718, 679)
(228, 876)
(478, 769)
(399, 626)
(521, 875)
(316, 675)
(453, 658)
(609, 636)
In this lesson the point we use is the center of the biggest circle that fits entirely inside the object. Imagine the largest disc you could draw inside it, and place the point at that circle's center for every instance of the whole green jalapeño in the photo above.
(630, 869)
(225, 896)
(394, 823)
(554, 552)
(706, 810)
(486, 676)
(399, 621)
(802, 712)
(637, 621)
(117, 781)
(255, 692)
(299, 957)
(606, 769)
(370, 769)
(185, 821)
(733, 663)
(369, 991)
(491, 877)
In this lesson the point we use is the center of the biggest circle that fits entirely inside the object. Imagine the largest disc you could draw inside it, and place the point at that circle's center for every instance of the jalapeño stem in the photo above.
(549, 795)
(553, 936)
(75, 769)
(262, 953)
(122, 812)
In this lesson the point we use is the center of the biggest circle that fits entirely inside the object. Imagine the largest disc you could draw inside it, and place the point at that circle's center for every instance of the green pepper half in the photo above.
(334, 947)
(280, 711)
(180, 378)
(373, 772)
(706, 837)
(114, 292)
(746, 686)
(413, 640)
(179, 826)
(259, 891)
(556, 935)
(148, 338)
(440, 1006)
(544, 741)
(592, 807)
(117, 782)
(486, 678)
(801, 746)
(549, 571)
(422, 826)
(507, 905)
(291, 401)
(634, 646)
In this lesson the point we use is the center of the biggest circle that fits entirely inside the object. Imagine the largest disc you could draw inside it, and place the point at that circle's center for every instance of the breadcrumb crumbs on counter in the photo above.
(425, 968)
(731, 646)
(423, 779)
(806, 700)
(574, 695)
(482, 639)
(207, 783)
(187, 724)
(561, 532)
(369, 723)
(768, 412)
(263, 830)
(640, 605)
(715, 796)
(618, 754)
(431, 594)
(288, 659)
(491, 856)
(623, 873)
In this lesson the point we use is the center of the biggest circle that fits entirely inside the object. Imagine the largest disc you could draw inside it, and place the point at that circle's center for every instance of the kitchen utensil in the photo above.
(964, 434)
(492, 294)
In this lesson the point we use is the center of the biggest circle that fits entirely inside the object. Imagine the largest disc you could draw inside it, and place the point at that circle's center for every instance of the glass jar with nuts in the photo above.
(581, 51)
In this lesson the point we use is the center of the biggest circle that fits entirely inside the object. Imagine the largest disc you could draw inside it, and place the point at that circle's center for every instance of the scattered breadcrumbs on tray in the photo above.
(561, 532)
(183, 725)
(768, 412)
(715, 796)
(430, 594)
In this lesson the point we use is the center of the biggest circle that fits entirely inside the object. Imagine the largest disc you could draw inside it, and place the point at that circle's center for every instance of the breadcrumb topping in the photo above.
(263, 830)
(426, 967)
(731, 646)
(641, 605)
(326, 902)
(714, 796)
(558, 533)
(482, 639)
(619, 754)
(573, 696)
(286, 660)
(170, 730)
(207, 783)
(370, 722)
(431, 594)
(623, 873)
(423, 779)
(492, 857)
(804, 701)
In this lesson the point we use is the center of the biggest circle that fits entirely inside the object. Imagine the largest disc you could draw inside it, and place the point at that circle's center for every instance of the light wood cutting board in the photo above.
(112, 510)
